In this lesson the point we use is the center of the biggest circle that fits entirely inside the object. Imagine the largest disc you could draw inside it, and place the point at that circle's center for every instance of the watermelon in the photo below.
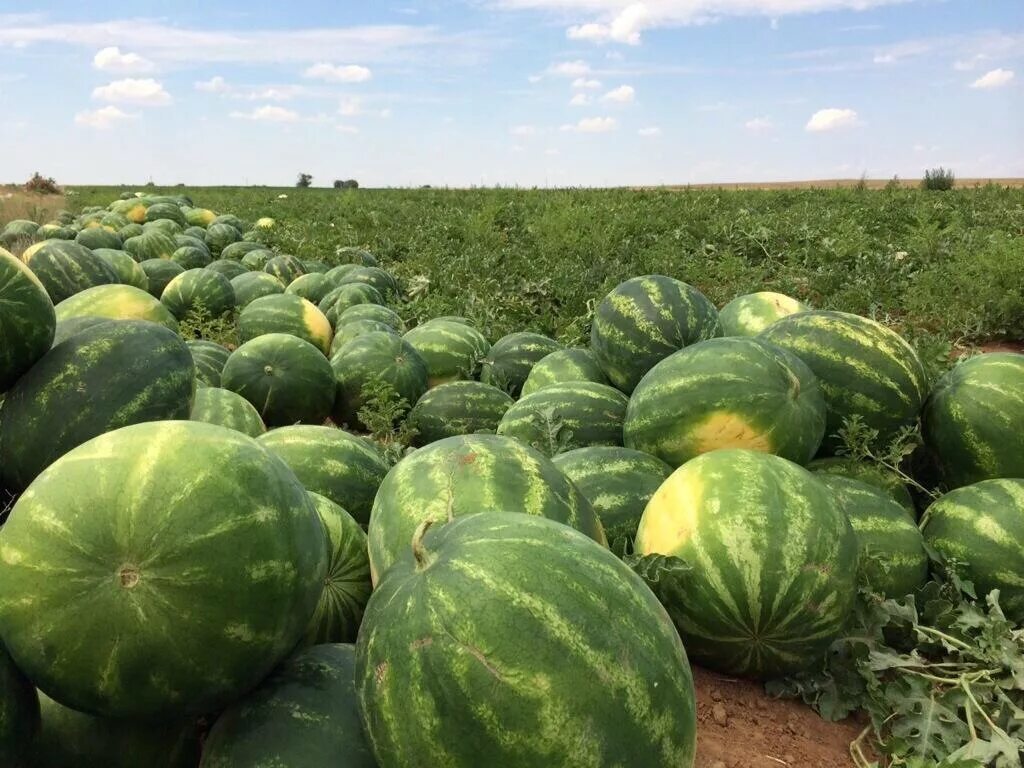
(190, 559)
(75, 325)
(134, 210)
(213, 405)
(374, 276)
(130, 230)
(108, 376)
(768, 576)
(287, 379)
(197, 233)
(230, 269)
(98, 237)
(335, 274)
(116, 302)
(168, 211)
(27, 319)
(210, 359)
(194, 240)
(163, 226)
(64, 268)
(44, 233)
(452, 351)
(893, 560)
(457, 408)
(250, 286)
(331, 462)
(264, 222)
(643, 321)
(347, 584)
(236, 251)
(618, 483)
(256, 259)
(289, 314)
(305, 715)
(750, 314)
(491, 625)
(190, 257)
(319, 267)
(872, 474)
(199, 290)
(152, 244)
(21, 228)
(129, 271)
(284, 268)
(512, 357)
(371, 312)
(220, 236)
(463, 476)
(231, 220)
(337, 300)
(160, 272)
(566, 416)
(356, 256)
(562, 367)
(376, 358)
(199, 217)
(354, 330)
(727, 393)
(865, 370)
(972, 421)
(981, 527)
(311, 287)
(19, 713)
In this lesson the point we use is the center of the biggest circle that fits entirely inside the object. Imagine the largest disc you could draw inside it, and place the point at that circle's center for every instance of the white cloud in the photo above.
(104, 117)
(624, 94)
(579, 100)
(146, 92)
(966, 65)
(110, 59)
(831, 119)
(592, 125)
(759, 125)
(582, 82)
(576, 68)
(350, 129)
(523, 130)
(884, 58)
(350, 107)
(624, 27)
(269, 113)
(650, 131)
(997, 78)
(331, 73)
(534, 79)
(215, 84)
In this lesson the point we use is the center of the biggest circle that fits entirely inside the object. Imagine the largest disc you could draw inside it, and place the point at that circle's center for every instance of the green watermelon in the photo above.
(319, 267)
(311, 287)
(21, 228)
(199, 290)
(19, 713)
(210, 359)
(199, 233)
(356, 256)
(250, 286)
(371, 312)
(163, 226)
(289, 314)
(335, 274)
(231, 220)
(98, 237)
(872, 474)
(75, 325)
(53, 232)
(168, 211)
(199, 217)
(492, 628)
(111, 375)
(64, 268)
(284, 268)
(463, 476)
(230, 269)
(727, 393)
(618, 483)
(236, 251)
(134, 209)
(457, 408)
(190, 561)
(562, 367)
(865, 370)
(562, 417)
(305, 715)
(893, 560)
(128, 270)
(27, 319)
(370, 359)
(375, 276)
(750, 314)
(452, 351)
(973, 419)
(190, 257)
(331, 462)
(160, 272)
(981, 526)
(257, 259)
(152, 244)
(130, 230)
(224, 408)
(337, 300)
(768, 575)
(512, 357)
(643, 321)
(287, 379)
(354, 330)
(220, 236)
(347, 585)
(116, 302)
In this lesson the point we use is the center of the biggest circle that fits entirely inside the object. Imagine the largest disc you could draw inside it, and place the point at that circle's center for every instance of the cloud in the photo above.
(576, 68)
(215, 84)
(592, 125)
(997, 78)
(625, 27)
(351, 107)
(966, 65)
(831, 119)
(523, 130)
(759, 125)
(579, 100)
(102, 118)
(146, 92)
(582, 82)
(349, 129)
(624, 94)
(331, 73)
(650, 131)
(269, 113)
(111, 59)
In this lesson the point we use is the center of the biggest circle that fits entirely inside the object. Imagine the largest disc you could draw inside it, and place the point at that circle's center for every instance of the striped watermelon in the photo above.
(618, 483)
(284, 268)
(129, 271)
(113, 374)
(305, 715)
(463, 476)
(230, 269)
(286, 314)
(75, 325)
(340, 466)
(287, 379)
(981, 526)
(335, 274)
(750, 314)
(318, 267)
(190, 257)
(375, 276)
(496, 627)
(19, 713)
(864, 369)
(159, 272)
(372, 312)
(872, 474)
(65, 268)
(220, 236)
(768, 575)
(562, 417)
(199, 217)
(353, 330)
(250, 286)
(98, 237)
(512, 357)
(562, 367)
(164, 226)
(973, 419)
(254, 259)
(151, 244)
(27, 319)
(210, 359)
(116, 302)
(311, 287)
(457, 408)
(224, 408)
(727, 393)
(644, 320)
(167, 211)
(241, 248)
(190, 561)
(339, 299)
(452, 351)
(196, 290)
(356, 256)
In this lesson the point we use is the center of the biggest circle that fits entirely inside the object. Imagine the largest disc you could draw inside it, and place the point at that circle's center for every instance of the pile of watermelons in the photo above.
(206, 561)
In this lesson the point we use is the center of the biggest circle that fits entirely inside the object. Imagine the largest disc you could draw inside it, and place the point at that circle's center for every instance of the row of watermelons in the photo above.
(183, 587)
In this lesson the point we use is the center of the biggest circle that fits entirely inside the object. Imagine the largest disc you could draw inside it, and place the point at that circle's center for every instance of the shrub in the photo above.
(42, 185)
(305, 181)
(938, 180)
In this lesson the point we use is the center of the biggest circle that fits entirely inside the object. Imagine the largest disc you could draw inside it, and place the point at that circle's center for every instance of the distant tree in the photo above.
(938, 180)
(346, 184)
(305, 181)
(42, 185)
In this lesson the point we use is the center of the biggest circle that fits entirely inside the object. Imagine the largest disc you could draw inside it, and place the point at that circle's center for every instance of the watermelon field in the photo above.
(585, 478)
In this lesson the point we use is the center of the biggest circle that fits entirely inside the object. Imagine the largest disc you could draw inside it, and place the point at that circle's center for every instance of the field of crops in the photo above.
(247, 435)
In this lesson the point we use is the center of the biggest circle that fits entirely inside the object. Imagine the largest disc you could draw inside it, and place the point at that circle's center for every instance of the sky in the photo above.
(510, 92)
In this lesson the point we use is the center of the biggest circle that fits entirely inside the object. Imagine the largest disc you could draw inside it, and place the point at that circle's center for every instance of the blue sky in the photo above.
(529, 92)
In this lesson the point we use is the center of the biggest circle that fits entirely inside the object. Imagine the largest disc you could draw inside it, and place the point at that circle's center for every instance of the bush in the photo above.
(346, 184)
(42, 185)
(305, 181)
(938, 180)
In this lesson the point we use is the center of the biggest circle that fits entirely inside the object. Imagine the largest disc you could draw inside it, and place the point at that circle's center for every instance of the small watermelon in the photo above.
(750, 314)
(289, 314)
(129, 271)
(356, 256)
(159, 272)
(250, 286)
(116, 302)
(337, 300)
(168, 211)
(98, 237)
(210, 359)
(230, 269)
(562, 367)
(311, 287)
(220, 236)
(375, 276)
(213, 405)
(151, 244)
(199, 290)
(457, 408)
(512, 357)
(256, 259)
(238, 250)
(353, 330)
(284, 268)
(372, 312)
(452, 351)
(191, 257)
(27, 319)
(335, 274)
(199, 217)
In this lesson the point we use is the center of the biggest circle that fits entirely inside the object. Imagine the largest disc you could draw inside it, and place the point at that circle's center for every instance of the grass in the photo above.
(16, 203)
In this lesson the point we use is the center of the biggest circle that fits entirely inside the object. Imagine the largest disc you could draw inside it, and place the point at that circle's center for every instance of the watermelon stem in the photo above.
(419, 552)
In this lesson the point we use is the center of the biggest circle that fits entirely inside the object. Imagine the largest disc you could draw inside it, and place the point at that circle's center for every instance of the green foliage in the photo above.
(383, 415)
(860, 442)
(200, 324)
(938, 180)
(305, 181)
(42, 185)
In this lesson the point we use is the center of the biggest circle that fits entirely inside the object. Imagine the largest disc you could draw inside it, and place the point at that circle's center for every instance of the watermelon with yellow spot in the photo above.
(27, 319)
(116, 302)
(286, 313)
(750, 314)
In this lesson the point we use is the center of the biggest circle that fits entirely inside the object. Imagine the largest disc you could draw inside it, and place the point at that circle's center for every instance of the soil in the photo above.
(741, 726)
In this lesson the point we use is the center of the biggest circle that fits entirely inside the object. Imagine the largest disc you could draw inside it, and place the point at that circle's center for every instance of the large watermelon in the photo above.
(129, 271)
(284, 268)
(727, 393)
(372, 312)
(113, 374)
(159, 272)
(64, 268)
(210, 359)
(466, 475)
(151, 244)
(375, 276)
(255, 259)
(220, 236)
(230, 269)
(337, 300)
(766, 574)
(224, 408)
(189, 558)
(457, 408)
(312, 287)
(491, 629)
(116, 302)
(27, 319)
(872, 474)
(562, 367)
(199, 290)
(750, 314)
(452, 351)
(643, 321)
(168, 211)
(98, 237)
(190, 257)
(250, 286)
(349, 331)
(512, 357)
(19, 713)
(199, 217)
(72, 326)
(286, 313)
(238, 250)
(974, 419)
